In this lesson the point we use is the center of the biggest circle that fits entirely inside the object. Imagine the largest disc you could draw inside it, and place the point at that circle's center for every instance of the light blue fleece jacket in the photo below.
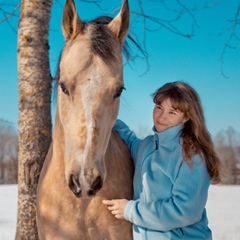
(169, 196)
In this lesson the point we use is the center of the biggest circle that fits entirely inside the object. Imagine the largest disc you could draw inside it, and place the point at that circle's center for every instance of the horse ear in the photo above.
(120, 24)
(71, 23)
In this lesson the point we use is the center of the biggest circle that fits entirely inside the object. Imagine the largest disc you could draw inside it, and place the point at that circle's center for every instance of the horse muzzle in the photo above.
(81, 189)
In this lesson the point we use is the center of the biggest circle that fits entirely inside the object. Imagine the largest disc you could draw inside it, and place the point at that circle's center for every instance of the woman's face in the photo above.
(165, 116)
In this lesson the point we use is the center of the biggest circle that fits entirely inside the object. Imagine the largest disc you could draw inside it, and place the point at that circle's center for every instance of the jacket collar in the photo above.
(171, 135)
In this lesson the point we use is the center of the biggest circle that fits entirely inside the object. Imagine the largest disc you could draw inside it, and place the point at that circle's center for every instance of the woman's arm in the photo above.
(185, 207)
(128, 136)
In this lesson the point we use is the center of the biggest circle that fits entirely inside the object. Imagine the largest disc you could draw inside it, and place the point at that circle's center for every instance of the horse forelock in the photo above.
(103, 42)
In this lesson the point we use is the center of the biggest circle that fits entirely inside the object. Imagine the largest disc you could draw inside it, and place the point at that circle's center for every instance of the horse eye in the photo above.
(119, 92)
(64, 89)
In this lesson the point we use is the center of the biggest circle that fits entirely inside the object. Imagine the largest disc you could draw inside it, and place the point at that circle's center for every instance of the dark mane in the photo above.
(102, 40)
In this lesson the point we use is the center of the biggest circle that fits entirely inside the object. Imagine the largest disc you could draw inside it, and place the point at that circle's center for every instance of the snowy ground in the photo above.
(223, 212)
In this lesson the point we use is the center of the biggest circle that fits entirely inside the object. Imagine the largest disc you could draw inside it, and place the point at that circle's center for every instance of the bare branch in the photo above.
(235, 24)
(189, 12)
(8, 14)
(96, 2)
(144, 35)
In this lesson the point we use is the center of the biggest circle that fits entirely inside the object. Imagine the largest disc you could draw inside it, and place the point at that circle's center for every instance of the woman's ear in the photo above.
(185, 119)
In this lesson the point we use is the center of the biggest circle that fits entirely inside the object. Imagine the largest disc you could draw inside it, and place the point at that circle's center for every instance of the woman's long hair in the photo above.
(195, 136)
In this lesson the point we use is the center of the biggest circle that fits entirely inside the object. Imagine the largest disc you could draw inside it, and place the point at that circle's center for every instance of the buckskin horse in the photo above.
(87, 161)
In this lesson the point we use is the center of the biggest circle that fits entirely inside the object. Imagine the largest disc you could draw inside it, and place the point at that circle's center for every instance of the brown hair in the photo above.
(195, 136)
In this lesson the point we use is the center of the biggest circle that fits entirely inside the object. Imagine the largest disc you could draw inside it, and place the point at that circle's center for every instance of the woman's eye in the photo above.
(119, 92)
(64, 89)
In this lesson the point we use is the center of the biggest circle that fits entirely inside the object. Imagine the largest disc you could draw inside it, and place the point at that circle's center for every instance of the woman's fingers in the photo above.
(107, 202)
(111, 205)
(110, 202)
(116, 206)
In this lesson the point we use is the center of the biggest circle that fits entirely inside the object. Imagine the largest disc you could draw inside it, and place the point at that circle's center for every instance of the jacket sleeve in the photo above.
(184, 208)
(128, 136)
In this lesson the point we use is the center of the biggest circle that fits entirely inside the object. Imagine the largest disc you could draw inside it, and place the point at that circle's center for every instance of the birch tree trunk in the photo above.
(34, 108)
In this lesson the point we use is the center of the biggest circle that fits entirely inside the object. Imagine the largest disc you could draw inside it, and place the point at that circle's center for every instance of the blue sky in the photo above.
(171, 58)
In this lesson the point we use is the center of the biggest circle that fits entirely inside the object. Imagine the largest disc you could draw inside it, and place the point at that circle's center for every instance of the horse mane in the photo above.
(102, 44)
(102, 41)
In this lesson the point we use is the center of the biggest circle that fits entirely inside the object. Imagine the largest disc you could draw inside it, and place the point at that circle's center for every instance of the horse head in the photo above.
(89, 88)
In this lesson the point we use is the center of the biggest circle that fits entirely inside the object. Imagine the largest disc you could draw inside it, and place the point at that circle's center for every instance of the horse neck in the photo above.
(120, 169)
(58, 141)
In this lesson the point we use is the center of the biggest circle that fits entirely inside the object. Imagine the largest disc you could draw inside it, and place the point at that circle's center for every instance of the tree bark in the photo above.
(34, 108)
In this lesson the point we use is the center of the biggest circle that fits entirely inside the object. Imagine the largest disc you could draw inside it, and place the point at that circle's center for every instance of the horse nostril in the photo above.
(74, 185)
(91, 193)
(96, 186)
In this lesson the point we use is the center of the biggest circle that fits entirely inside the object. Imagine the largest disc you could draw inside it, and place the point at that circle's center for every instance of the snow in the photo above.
(8, 211)
(223, 209)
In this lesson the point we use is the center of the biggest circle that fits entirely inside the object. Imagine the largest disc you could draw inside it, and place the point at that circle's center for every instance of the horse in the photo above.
(87, 161)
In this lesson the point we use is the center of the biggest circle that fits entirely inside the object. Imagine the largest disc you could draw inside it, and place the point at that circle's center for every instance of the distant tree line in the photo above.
(8, 153)
(227, 144)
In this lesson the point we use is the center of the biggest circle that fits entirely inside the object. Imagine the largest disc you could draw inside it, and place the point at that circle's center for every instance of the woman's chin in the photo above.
(161, 128)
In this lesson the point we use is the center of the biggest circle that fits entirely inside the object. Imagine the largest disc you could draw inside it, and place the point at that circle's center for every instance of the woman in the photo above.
(173, 169)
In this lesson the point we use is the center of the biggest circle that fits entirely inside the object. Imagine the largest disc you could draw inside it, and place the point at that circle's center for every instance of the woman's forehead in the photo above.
(171, 103)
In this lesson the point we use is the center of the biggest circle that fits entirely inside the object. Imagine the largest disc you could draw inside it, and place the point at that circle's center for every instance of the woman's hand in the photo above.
(117, 207)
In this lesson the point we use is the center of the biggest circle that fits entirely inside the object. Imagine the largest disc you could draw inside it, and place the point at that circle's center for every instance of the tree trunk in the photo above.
(34, 108)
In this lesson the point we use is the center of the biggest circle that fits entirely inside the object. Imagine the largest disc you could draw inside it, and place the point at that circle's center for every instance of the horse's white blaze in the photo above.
(89, 91)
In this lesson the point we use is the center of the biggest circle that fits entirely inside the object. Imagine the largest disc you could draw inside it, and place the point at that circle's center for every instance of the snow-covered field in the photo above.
(223, 212)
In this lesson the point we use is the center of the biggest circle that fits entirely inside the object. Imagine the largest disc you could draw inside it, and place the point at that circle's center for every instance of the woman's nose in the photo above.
(161, 115)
